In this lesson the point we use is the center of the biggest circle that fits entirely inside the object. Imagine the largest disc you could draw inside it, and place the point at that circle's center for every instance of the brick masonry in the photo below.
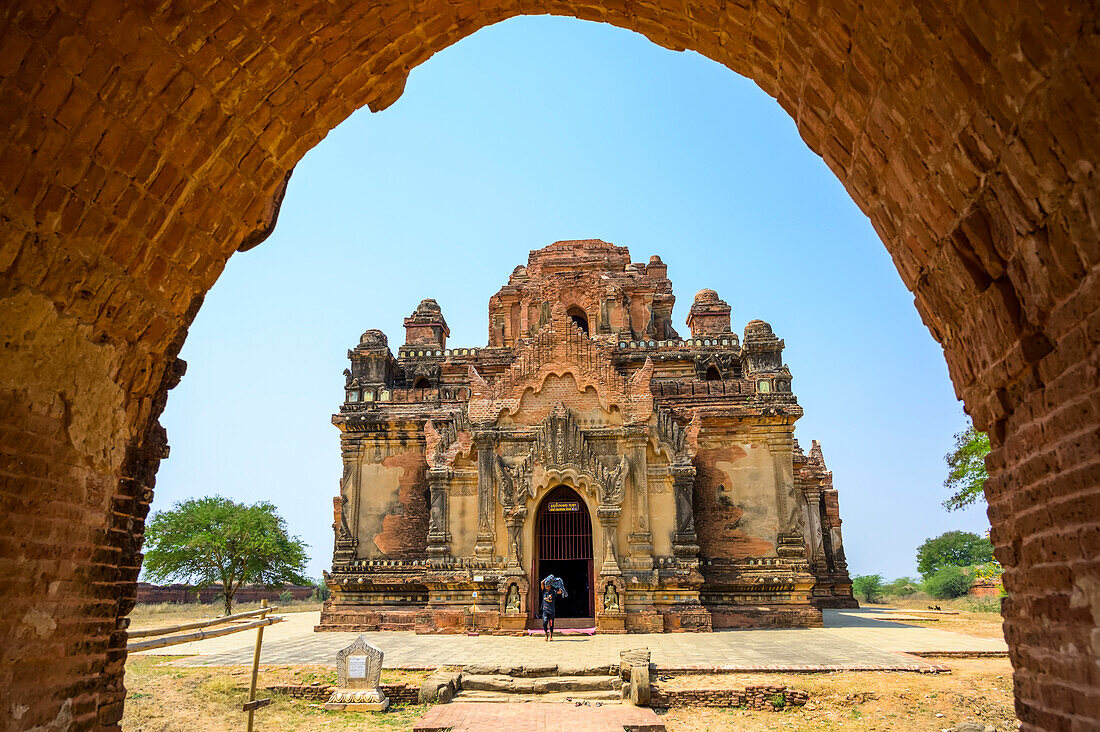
(396, 693)
(178, 593)
(143, 144)
(774, 697)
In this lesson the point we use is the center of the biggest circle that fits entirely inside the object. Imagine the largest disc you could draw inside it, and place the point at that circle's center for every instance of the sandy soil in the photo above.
(967, 622)
(977, 690)
(164, 697)
(167, 698)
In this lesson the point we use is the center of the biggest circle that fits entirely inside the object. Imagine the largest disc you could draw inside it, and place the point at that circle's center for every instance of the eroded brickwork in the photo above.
(143, 144)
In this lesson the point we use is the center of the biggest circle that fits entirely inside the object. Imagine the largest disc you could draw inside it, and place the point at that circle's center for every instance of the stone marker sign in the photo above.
(358, 672)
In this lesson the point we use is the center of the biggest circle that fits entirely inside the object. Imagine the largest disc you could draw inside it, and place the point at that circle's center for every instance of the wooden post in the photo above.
(255, 667)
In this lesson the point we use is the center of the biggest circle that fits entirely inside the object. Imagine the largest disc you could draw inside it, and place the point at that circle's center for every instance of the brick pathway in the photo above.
(536, 717)
(851, 640)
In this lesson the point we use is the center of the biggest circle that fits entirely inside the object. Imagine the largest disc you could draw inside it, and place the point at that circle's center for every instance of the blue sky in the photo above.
(531, 131)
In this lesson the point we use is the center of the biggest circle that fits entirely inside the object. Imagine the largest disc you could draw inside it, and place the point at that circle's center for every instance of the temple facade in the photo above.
(657, 475)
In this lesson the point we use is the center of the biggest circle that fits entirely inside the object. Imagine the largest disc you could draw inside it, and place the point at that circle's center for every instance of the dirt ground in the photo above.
(166, 698)
(966, 621)
(975, 690)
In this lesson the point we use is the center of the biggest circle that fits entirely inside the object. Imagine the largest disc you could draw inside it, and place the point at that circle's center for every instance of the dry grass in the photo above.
(168, 613)
(168, 698)
(164, 697)
(969, 621)
(978, 690)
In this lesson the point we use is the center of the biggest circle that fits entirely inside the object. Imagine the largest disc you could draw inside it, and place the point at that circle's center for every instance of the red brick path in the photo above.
(537, 717)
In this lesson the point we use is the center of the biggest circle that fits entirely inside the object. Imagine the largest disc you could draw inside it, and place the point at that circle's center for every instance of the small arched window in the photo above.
(713, 374)
(579, 318)
(422, 383)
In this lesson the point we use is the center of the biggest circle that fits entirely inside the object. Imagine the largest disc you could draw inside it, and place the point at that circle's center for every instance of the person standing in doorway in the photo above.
(551, 588)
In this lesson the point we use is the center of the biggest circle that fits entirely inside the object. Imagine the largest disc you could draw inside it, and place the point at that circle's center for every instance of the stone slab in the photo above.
(851, 640)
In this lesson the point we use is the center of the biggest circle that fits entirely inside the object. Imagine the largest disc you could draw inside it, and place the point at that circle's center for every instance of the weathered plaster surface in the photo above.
(53, 360)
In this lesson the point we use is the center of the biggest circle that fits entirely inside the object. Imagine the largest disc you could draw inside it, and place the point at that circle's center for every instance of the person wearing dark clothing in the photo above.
(548, 607)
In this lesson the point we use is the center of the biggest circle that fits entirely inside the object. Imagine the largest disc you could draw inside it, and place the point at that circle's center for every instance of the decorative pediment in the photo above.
(677, 442)
(514, 480)
(560, 349)
(446, 439)
(561, 445)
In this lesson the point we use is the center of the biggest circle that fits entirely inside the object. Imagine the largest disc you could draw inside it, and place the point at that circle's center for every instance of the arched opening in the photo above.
(563, 541)
(713, 374)
(980, 206)
(422, 383)
(578, 317)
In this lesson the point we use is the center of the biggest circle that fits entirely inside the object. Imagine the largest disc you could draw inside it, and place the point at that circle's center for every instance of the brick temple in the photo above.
(657, 475)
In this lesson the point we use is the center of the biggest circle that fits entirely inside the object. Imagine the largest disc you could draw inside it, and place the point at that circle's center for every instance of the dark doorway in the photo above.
(564, 542)
(579, 318)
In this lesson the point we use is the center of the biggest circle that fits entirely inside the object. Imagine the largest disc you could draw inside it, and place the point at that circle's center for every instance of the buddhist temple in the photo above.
(657, 475)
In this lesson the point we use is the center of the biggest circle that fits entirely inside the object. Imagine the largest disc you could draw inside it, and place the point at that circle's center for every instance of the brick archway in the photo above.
(142, 144)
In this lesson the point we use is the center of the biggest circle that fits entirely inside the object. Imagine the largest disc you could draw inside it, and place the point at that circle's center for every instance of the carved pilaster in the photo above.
(486, 513)
(839, 561)
(814, 529)
(346, 522)
(609, 522)
(788, 500)
(514, 519)
(639, 485)
(684, 541)
(438, 535)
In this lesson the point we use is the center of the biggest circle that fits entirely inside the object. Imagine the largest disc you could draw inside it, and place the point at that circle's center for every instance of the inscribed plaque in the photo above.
(357, 667)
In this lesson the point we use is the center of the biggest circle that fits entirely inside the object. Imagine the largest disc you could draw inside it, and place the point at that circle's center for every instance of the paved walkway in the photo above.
(535, 717)
(851, 640)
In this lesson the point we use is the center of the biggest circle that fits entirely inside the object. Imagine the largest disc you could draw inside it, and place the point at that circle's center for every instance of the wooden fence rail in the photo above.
(171, 640)
(149, 632)
(198, 635)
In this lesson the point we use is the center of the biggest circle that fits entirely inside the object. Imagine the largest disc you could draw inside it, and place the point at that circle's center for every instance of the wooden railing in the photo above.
(172, 640)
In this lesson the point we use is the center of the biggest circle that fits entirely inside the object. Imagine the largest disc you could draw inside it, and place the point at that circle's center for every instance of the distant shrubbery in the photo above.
(949, 582)
(903, 587)
(868, 587)
(949, 565)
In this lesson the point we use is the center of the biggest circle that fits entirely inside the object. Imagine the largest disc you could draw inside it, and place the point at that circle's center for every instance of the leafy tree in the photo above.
(966, 469)
(215, 540)
(948, 582)
(902, 587)
(868, 587)
(952, 549)
(320, 589)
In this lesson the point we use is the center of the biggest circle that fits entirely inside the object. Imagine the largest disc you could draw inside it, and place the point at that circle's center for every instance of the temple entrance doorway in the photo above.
(564, 548)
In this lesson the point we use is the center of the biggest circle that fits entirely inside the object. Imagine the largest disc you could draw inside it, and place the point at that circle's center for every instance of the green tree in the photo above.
(868, 587)
(948, 582)
(953, 549)
(215, 540)
(966, 469)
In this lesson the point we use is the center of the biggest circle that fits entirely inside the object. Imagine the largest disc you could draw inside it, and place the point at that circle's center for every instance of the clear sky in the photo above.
(531, 131)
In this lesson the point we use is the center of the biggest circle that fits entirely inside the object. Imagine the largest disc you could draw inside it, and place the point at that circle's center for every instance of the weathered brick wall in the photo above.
(758, 696)
(147, 593)
(142, 144)
(396, 693)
